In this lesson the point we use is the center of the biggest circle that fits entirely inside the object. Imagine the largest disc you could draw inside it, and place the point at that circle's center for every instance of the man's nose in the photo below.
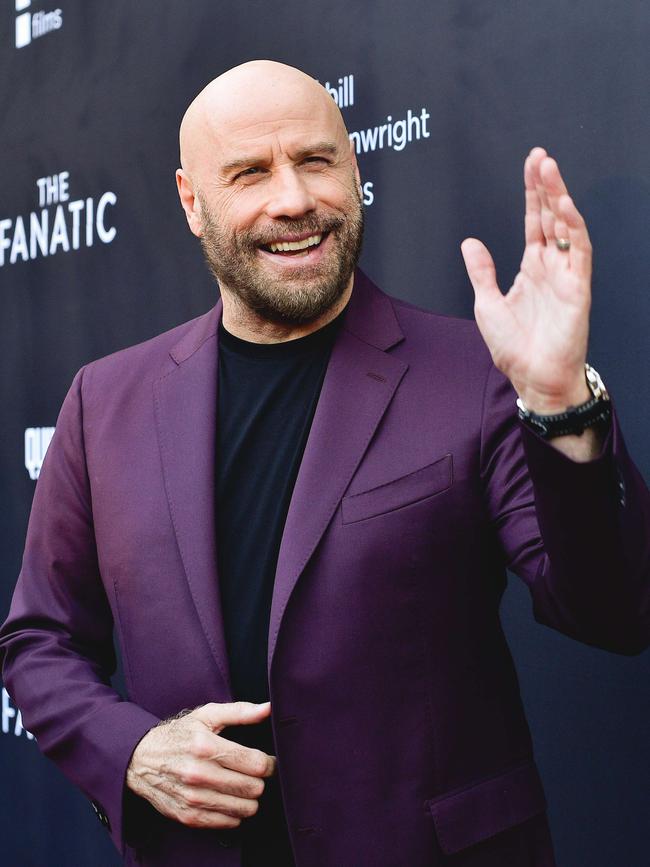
(290, 195)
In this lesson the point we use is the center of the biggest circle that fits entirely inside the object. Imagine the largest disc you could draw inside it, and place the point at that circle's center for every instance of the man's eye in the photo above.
(253, 170)
(316, 160)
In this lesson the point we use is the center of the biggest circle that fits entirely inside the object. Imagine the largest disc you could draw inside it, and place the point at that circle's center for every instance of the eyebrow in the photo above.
(323, 147)
(326, 147)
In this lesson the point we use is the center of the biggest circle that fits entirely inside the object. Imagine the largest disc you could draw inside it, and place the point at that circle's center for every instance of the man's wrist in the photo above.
(578, 423)
(548, 403)
(588, 405)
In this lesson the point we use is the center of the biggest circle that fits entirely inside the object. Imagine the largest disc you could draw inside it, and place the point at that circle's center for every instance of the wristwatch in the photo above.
(574, 419)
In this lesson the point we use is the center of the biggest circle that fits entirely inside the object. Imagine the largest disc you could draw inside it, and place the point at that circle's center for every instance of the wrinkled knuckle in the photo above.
(190, 778)
(199, 745)
(211, 707)
(190, 816)
(192, 798)
(206, 710)
(195, 744)
(189, 775)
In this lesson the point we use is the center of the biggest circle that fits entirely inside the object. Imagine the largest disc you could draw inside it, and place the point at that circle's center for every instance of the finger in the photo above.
(547, 217)
(193, 798)
(238, 784)
(537, 154)
(196, 818)
(568, 220)
(552, 182)
(205, 745)
(245, 760)
(481, 271)
(533, 218)
(271, 767)
(554, 190)
(217, 716)
(210, 775)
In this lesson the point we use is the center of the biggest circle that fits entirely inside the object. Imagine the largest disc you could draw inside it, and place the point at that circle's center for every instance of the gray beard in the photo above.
(234, 263)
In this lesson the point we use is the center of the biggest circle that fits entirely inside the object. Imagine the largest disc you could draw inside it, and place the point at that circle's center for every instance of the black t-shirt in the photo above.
(267, 395)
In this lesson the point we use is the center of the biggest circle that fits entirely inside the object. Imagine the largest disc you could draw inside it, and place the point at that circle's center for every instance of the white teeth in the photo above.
(285, 246)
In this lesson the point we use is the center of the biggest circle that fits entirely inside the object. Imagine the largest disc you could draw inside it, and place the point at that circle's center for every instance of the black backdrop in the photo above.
(98, 93)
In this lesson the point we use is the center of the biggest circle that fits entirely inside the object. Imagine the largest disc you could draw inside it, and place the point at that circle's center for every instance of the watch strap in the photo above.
(575, 419)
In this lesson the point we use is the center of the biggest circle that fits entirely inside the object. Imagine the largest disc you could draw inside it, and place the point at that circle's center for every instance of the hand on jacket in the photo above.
(192, 775)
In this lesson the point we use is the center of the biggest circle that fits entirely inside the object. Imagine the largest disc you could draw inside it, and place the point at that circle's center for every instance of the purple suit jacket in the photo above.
(400, 733)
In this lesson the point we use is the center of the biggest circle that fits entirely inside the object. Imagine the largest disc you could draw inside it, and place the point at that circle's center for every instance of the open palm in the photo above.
(537, 333)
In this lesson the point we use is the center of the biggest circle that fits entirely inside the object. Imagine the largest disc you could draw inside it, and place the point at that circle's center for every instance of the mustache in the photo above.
(310, 224)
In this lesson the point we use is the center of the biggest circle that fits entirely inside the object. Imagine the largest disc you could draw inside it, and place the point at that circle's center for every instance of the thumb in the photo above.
(481, 270)
(217, 716)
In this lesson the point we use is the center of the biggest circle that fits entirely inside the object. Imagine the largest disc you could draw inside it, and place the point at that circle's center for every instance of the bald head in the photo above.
(248, 100)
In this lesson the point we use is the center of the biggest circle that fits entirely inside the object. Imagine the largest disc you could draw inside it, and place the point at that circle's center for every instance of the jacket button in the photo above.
(101, 815)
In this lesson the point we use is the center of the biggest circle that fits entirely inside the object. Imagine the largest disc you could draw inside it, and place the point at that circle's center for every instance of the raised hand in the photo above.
(537, 333)
(192, 775)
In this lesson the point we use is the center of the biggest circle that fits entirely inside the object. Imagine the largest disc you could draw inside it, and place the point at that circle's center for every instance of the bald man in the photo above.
(339, 483)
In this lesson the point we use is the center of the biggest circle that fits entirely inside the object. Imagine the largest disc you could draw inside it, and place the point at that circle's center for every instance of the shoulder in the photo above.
(122, 383)
(154, 357)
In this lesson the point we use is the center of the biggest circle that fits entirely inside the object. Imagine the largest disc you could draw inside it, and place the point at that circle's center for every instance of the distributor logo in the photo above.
(60, 225)
(31, 25)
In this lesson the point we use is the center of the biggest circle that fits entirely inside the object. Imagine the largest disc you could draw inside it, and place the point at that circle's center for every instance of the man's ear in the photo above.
(190, 202)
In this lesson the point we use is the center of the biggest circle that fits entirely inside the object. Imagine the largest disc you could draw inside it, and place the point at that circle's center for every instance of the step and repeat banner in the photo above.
(442, 100)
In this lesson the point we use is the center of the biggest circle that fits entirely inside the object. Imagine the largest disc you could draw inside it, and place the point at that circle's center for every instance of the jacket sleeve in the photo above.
(577, 533)
(56, 644)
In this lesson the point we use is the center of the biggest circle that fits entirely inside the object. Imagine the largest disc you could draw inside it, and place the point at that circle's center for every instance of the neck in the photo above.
(248, 325)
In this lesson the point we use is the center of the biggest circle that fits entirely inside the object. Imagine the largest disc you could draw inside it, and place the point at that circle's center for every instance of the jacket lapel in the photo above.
(359, 384)
(185, 401)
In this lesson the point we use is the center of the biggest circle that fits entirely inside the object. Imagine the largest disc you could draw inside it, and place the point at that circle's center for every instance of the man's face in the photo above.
(282, 216)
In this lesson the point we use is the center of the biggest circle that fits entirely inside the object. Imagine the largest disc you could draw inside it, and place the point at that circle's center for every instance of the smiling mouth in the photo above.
(295, 248)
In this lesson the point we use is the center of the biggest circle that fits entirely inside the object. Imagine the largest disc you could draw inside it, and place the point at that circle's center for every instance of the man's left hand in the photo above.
(537, 333)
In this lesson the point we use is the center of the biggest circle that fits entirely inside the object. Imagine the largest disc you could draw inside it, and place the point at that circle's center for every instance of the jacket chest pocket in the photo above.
(425, 482)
